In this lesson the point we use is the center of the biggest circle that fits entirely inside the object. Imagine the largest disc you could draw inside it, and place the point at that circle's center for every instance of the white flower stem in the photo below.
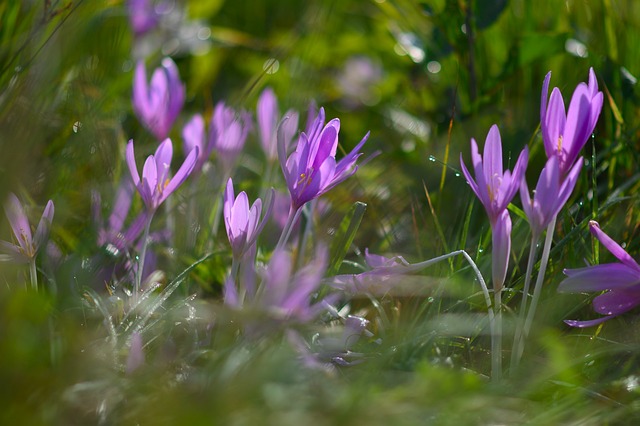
(496, 337)
(515, 358)
(544, 261)
(286, 231)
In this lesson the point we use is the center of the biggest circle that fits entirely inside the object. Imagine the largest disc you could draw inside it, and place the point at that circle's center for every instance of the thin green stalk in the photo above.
(145, 244)
(515, 359)
(33, 273)
(544, 261)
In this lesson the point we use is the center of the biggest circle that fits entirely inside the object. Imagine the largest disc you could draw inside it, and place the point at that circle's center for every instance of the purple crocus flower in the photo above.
(157, 105)
(268, 118)
(243, 223)
(564, 134)
(621, 281)
(28, 245)
(112, 234)
(552, 192)
(142, 16)
(288, 295)
(496, 188)
(229, 132)
(312, 170)
(194, 135)
(156, 185)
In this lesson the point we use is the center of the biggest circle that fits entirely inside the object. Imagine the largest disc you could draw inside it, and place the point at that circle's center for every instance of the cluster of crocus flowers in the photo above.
(158, 103)
(156, 184)
(312, 170)
(620, 281)
(285, 294)
(27, 245)
(495, 188)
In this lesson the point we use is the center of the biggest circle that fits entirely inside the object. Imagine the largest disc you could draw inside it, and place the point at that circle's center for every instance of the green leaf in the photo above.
(344, 236)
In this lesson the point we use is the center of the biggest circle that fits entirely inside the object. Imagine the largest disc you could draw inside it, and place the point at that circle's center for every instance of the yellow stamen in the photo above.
(559, 144)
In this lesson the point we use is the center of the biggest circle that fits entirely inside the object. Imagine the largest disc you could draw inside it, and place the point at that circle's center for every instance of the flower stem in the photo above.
(515, 358)
(143, 254)
(544, 261)
(286, 231)
(33, 274)
(496, 337)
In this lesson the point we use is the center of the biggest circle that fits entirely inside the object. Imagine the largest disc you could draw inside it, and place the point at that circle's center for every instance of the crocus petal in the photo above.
(601, 277)
(44, 226)
(576, 131)
(267, 115)
(481, 181)
(588, 323)
(543, 103)
(181, 175)
(492, 160)
(193, 134)
(612, 246)
(618, 301)
(19, 223)
(131, 163)
(228, 199)
(501, 237)
(555, 124)
(12, 253)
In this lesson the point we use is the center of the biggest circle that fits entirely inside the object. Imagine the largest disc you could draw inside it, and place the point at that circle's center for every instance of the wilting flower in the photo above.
(268, 117)
(312, 170)
(552, 192)
(156, 185)
(564, 134)
(229, 132)
(496, 188)
(142, 16)
(27, 246)
(243, 223)
(621, 281)
(157, 105)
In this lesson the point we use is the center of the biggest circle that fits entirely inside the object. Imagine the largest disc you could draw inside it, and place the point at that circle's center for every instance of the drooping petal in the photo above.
(588, 323)
(612, 246)
(601, 277)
